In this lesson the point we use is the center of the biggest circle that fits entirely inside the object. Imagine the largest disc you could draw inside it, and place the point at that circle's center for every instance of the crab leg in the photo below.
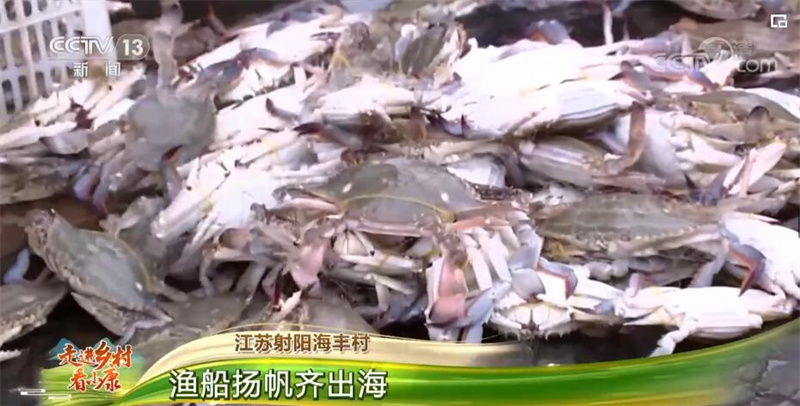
(377, 280)
(479, 310)
(376, 258)
(410, 307)
(707, 272)
(508, 237)
(381, 261)
(332, 133)
(252, 276)
(711, 194)
(215, 23)
(206, 268)
(286, 307)
(101, 192)
(524, 279)
(608, 21)
(277, 234)
(480, 268)
(638, 80)
(717, 325)
(129, 175)
(139, 324)
(31, 135)
(496, 252)
(481, 217)
(637, 141)
(305, 270)
(754, 166)
(667, 343)
(384, 296)
(16, 273)
(172, 179)
(563, 272)
(6, 335)
(86, 181)
(304, 203)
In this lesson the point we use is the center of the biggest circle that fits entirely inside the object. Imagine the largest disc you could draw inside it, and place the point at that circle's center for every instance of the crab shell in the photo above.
(93, 263)
(190, 123)
(629, 224)
(398, 191)
(26, 306)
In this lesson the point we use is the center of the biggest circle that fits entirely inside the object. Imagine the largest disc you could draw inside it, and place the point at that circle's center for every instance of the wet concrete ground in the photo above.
(775, 381)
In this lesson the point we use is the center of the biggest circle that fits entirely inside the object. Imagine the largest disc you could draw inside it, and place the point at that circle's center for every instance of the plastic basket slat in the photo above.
(30, 71)
(26, 53)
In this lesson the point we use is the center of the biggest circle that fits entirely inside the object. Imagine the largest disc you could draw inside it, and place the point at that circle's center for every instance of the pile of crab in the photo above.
(332, 169)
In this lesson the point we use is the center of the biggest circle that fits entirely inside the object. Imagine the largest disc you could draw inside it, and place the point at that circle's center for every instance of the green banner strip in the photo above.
(700, 378)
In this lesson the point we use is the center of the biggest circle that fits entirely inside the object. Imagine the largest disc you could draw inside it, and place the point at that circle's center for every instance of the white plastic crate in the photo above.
(27, 68)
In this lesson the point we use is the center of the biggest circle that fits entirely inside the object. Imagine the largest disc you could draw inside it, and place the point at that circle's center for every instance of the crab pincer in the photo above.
(306, 271)
(453, 308)
(564, 272)
(637, 80)
(526, 282)
(753, 260)
(676, 70)
(711, 194)
(451, 301)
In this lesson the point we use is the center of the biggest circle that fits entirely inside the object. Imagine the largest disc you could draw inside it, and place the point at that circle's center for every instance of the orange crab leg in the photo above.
(753, 260)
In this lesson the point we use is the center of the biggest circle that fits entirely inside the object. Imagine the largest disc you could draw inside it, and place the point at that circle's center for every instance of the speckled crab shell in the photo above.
(398, 191)
(92, 263)
(26, 305)
(624, 221)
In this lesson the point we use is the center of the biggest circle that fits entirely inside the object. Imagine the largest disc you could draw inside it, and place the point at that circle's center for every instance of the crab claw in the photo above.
(711, 194)
(479, 310)
(448, 310)
(521, 264)
(215, 23)
(451, 302)
(490, 214)
(480, 306)
(86, 181)
(332, 133)
(753, 260)
(619, 10)
(637, 80)
(636, 142)
(305, 271)
(564, 272)
(253, 56)
(16, 273)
